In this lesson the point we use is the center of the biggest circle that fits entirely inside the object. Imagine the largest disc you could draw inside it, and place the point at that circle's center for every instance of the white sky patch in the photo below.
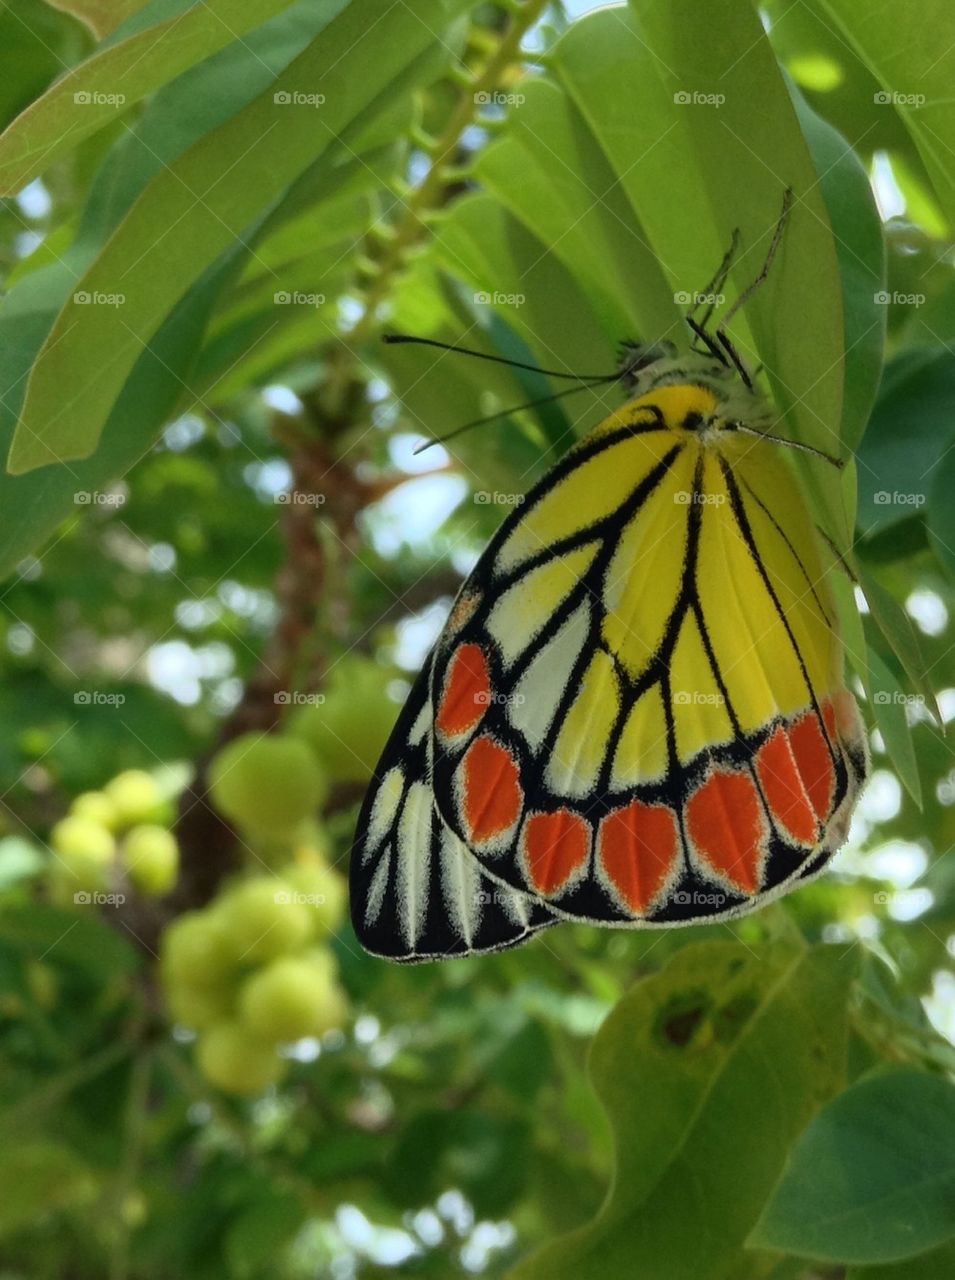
(928, 611)
(412, 514)
(888, 193)
(282, 398)
(882, 798)
(387, 1246)
(178, 669)
(940, 1005)
(34, 200)
(401, 449)
(415, 636)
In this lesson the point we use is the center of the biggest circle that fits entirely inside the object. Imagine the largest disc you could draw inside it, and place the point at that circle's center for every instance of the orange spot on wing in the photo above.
(783, 788)
(814, 759)
(492, 795)
(555, 847)
(637, 847)
(725, 822)
(467, 692)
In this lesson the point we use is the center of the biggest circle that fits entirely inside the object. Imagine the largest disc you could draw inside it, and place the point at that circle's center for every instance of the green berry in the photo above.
(97, 807)
(135, 797)
(290, 999)
(236, 1061)
(264, 919)
(79, 839)
(266, 782)
(151, 856)
(196, 950)
(322, 890)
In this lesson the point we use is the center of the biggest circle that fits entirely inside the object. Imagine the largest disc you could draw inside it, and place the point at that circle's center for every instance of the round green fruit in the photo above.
(264, 919)
(290, 999)
(196, 950)
(322, 890)
(348, 731)
(150, 855)
(230, 1057)
(97, 807)
(135, 797)
(266, 782)
(199, 1007)
(81, 840)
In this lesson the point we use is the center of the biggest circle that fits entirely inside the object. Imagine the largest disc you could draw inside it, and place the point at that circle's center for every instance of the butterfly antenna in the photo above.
(394, 338)
(503, 413)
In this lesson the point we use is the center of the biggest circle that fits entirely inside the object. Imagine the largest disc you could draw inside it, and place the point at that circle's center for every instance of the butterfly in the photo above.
(636, 714)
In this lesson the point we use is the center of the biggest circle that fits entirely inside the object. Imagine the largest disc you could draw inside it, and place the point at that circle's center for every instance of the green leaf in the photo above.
(941, 510)
(910, 433)
(900, 635)
(114, 78)
(68, 937)
(915, 74)
(199, 207)
(873, 1177)
(937, 1265)
(889, 703)
(707, 1071)
(40, 1172)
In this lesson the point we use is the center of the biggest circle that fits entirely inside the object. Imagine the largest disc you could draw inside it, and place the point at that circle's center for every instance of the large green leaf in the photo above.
(915, 74)
(707, 1072)
(114, 78)
(873, 1178)
(199, 207)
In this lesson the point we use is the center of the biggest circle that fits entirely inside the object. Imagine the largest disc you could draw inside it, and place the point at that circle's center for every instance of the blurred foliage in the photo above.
(214, 528)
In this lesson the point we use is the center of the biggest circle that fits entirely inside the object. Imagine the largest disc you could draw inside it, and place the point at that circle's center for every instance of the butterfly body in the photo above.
(636, 714)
